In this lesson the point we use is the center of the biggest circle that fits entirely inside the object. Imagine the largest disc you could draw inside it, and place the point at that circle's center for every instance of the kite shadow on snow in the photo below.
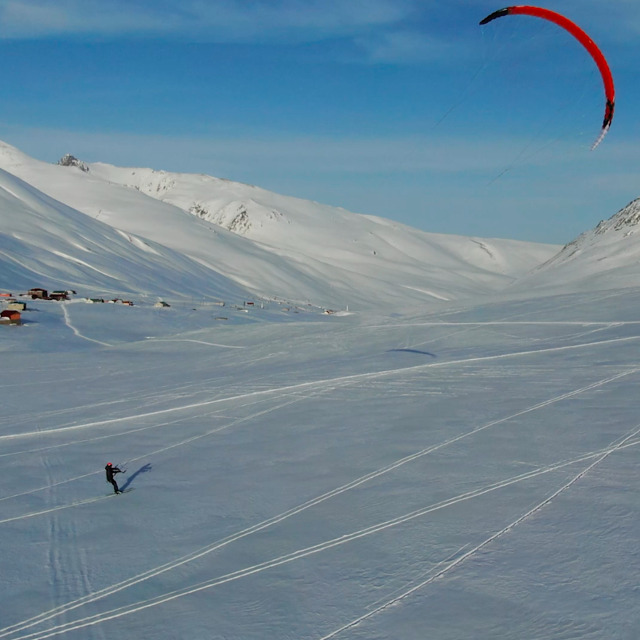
(424, 353)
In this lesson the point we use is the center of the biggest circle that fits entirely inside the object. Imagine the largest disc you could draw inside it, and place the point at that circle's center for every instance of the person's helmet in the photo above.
(108, 464)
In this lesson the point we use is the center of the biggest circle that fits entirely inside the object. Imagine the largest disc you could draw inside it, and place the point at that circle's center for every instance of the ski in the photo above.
(119, 492)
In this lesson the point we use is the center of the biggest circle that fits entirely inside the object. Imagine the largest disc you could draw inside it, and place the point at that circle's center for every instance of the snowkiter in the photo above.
(111, 471)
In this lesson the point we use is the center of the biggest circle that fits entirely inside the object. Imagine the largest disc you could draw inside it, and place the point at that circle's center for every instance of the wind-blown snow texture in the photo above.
(467, 470)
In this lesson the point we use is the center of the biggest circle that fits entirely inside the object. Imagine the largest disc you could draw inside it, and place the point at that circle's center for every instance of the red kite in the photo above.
(585, 41)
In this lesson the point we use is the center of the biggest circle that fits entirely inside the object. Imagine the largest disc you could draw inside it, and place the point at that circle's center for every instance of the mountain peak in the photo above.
(627, 217)
(68, 160)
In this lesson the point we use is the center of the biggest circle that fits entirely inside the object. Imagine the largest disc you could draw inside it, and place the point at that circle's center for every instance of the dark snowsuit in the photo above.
(111, 471)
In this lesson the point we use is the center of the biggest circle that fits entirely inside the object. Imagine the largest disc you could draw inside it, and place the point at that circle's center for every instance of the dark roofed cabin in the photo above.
(10, 317)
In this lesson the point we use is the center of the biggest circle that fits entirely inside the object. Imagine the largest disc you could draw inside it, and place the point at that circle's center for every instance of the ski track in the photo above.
(53, 509)
(117, 434)
(148, 454)
(91, 597)
(67, 321)
(600, 457)
(339, 380)
(140, 605)
(208, 344)
(470, 326)
(395, 465)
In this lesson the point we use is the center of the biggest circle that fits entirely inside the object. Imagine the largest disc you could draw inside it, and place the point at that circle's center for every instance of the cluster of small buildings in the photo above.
(12, 307)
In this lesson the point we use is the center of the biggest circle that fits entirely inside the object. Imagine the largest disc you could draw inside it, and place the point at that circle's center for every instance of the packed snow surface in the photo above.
(464, 465)
(452, 475)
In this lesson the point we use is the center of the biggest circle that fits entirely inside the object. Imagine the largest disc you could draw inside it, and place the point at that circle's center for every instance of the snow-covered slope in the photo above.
(363, 245)
(605, 257)
(278, 246)
(46, 243)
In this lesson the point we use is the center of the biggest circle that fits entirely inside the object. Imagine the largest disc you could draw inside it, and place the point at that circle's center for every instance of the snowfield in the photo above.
(460, 465)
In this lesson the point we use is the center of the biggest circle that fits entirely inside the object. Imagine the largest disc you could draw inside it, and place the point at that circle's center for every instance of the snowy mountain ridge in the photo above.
(606, 256)
(628, 217)
(620, 225)
(228, 204)
(279, 246)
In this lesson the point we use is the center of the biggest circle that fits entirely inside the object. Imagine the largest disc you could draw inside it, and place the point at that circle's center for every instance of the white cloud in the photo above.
(482, 155)
(613, 21)
(407, 46)
(216, 20)
(37, 18)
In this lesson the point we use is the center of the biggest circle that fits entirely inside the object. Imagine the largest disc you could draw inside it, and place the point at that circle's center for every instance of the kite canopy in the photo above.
(585, 41)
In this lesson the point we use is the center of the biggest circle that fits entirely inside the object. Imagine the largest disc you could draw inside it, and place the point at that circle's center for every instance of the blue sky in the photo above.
(401, 108)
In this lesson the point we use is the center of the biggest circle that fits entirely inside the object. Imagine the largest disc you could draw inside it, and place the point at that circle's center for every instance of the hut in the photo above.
(10, 317)
(38, 294)
(16, 306)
